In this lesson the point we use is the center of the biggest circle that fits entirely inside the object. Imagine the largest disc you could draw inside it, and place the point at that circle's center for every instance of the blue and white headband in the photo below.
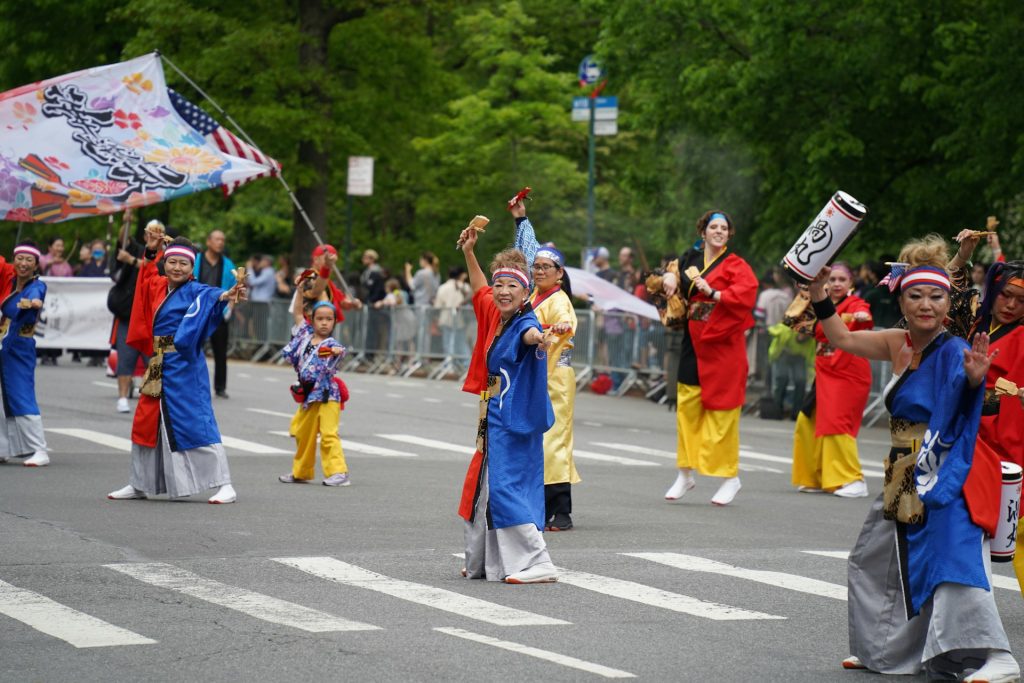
(717, 215)
(551, 253)
(513, 273)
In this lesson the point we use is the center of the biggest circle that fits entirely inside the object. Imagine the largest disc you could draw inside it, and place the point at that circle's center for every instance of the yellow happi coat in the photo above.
(559, 467)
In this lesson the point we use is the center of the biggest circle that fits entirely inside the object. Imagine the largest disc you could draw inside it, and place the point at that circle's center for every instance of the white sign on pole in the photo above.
(606, 127)
(605, 108)
(360, 176)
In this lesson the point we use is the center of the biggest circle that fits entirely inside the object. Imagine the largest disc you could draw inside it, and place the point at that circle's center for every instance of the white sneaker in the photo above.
(122, 406)
(855, 489)
(727, 491)
(539, 573)
(38, 459)
(684, 482)
(127, 493)
(225, 494)
(1000, 667)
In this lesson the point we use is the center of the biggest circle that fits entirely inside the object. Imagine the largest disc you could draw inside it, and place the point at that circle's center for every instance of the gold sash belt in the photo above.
(152, 381)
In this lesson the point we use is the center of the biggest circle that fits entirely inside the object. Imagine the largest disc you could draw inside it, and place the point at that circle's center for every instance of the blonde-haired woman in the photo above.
(919, 578)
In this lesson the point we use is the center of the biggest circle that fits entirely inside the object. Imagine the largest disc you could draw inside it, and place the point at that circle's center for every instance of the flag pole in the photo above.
(295, 200)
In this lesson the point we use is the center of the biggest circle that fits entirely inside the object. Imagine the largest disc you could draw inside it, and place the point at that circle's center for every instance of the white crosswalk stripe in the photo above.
(256, 605)
(429, 443)
(355, 447)
(438, 598)
(791, 582)
(116, 442)
(275, 413)
(639, 450)
(1009, 583)
(249, 447)
(564, 660)
(617, 459)
(646, 595)
(60, 621)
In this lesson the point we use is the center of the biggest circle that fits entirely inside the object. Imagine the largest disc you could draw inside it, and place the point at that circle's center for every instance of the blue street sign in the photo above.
(590, 71)
(605, 108)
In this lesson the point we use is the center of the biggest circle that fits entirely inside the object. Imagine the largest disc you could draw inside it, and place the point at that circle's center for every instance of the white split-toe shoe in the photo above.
(38, 459)
(727, 491)
(1000, 667)
(129, 492)
(225, 494)
(684, 482)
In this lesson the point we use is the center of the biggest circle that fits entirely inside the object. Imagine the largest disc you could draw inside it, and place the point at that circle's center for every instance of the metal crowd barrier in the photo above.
(438, 342)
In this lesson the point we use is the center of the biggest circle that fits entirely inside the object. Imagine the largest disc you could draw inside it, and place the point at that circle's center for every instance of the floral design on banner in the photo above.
(137, 83)
(123, 119)
(191, 160)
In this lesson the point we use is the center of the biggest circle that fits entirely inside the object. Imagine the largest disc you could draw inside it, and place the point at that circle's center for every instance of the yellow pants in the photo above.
(825, 462)
(323, 419)
(709, 440)
(1018, 562)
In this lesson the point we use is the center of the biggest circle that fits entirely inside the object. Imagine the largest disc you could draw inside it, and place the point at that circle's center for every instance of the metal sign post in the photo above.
(360, 184)
(601, 114)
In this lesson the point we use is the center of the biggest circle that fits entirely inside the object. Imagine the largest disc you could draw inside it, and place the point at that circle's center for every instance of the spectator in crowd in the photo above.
(885, 310)
(978, 272)
(601, 266)
(283, 277)
(452, 295)
(125, 273)
(425, 282)
(626, 277)
(371, 283)
(403, 319)
(84, 256)
(53, 262)
(214, 268)
(772, 301)
(96, 265)
(262, 279)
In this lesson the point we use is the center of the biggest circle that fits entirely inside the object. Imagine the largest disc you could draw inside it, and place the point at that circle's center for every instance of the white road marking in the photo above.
(60, 621)
(241, 600)
(395, 395)
(403, 383)
(646, 595)
(429, 443)
(593, 424)
(754, 455)
(115, 442)
(744, 467)
(801, 584)
(105, 385)
(438, 598)
(356, 447)
(837, 554)
(270, 379)
(468, 405)
(432, 400)
(358, 391)
(250, 447)
(275, 413)
(637, 592)
(245, 375)
(639, 450)
(998, 580)
(617, 459)
(564, 660)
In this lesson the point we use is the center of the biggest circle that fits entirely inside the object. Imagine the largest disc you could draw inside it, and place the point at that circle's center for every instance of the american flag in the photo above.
(223, 139)
(892, 280)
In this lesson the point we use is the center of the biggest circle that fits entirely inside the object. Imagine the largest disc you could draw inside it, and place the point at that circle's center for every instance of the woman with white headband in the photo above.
(712, 381)
(176, 446)
(503, 494)
(920, 593)
(21, 426)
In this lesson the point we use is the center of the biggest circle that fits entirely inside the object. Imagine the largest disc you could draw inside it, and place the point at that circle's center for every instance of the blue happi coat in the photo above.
(516, 421)
(18, 351)
(947, 546)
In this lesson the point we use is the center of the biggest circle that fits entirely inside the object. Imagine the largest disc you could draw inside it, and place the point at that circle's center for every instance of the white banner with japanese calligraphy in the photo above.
(75, 314)
(97, 141)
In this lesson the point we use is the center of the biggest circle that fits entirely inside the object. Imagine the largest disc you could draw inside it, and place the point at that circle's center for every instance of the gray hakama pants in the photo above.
(957, 626)
(178, 473)
(496, 553)
(20, 434)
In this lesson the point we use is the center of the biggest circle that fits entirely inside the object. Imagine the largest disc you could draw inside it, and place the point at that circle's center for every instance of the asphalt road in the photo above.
(305, 582)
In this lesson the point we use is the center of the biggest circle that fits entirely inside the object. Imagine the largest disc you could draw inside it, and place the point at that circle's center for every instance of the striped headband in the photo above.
(551, 253)
(180, 250)
(513, 273)
(924, 275)
(28, 249)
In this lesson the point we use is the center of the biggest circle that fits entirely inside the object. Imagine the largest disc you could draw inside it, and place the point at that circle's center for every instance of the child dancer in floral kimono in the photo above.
(315, 354)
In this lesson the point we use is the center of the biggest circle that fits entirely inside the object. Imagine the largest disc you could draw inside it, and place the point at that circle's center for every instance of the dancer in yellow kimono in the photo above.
(553, 307)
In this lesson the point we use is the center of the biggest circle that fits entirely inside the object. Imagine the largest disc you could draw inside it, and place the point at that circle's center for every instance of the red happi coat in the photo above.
(6, 278)
(488, 319)
(842, 381)
(1001, 433)
(717, 328)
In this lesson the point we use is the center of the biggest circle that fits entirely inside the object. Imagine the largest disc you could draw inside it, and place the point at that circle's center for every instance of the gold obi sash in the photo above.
(152, 381)
(492, 390)
(900, 502)
(4, 324)
(27, 330)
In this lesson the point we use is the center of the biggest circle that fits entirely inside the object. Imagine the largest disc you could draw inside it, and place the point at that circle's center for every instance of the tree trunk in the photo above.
(315, 23)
